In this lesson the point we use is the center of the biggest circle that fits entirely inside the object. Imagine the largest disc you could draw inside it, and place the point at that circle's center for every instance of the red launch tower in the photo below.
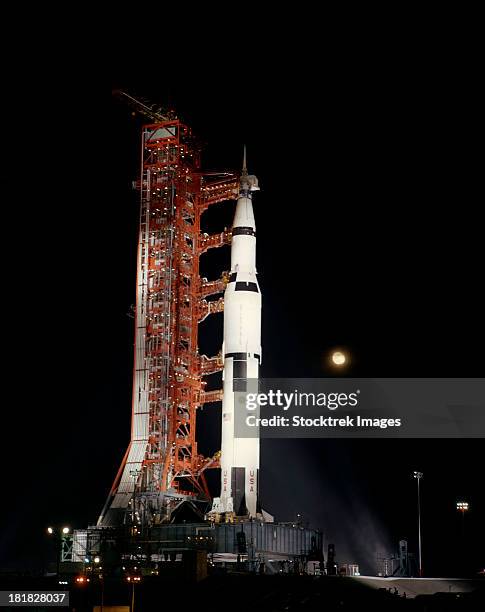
(162, 467)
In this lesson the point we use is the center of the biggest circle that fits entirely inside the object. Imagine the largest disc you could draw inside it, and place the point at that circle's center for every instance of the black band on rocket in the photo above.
(243, 231)
(242, 356)
(246, 286)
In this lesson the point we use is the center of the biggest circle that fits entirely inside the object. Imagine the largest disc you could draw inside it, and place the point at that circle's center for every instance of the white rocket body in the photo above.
(242, 356)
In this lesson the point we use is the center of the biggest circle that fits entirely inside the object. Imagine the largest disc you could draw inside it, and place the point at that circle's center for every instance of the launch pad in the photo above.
(247, 546)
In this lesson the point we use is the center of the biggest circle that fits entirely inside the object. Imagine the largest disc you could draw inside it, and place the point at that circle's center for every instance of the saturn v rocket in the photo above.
(242, 356)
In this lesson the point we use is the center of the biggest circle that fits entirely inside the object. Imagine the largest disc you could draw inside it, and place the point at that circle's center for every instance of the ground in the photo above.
(254, 593)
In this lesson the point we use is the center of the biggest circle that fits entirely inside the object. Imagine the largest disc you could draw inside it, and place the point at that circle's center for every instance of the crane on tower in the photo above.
(147, 109)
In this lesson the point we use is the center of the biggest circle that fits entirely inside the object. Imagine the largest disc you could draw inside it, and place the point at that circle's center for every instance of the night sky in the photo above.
(369, 237)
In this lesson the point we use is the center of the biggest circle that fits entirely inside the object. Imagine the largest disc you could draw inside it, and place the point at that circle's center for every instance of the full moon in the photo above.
(338, 358)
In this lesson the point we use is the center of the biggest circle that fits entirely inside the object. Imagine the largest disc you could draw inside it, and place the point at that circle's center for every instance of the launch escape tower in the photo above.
(162, 467)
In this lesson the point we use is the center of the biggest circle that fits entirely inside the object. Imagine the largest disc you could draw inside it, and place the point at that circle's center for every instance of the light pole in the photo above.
(462, 507)
(418, 476)
(132, 580)
(60, 536)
